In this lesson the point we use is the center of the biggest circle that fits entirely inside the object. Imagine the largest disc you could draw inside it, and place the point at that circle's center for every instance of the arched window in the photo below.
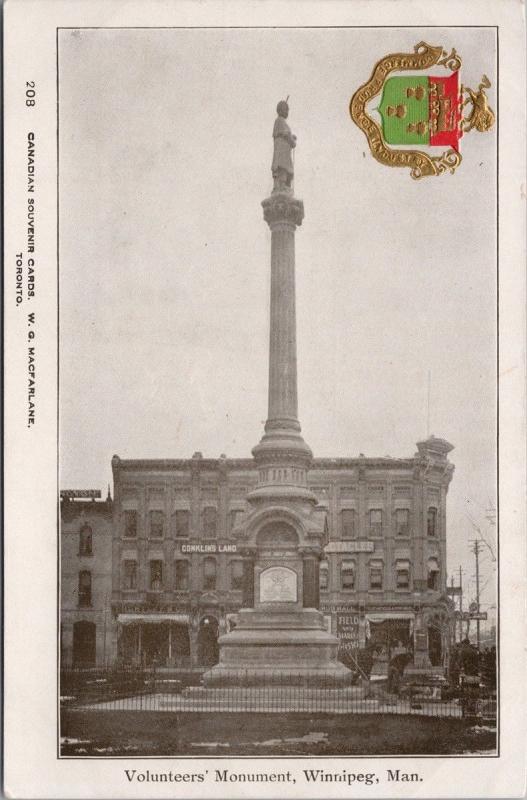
(235, 515)
(209, 573)
(182, 575)
(209, 521)
(324, 576)
(431, 521)
(347, 575)
(156, 575)
(157, 524)
(376, 574)
(85, 541)
(129, 574)
(347, 523)
(84, 588)
(236, 574)
(433, 574)
(402, 574)
(402, 522)
(130, 524)
(181, 522)
(375, 522)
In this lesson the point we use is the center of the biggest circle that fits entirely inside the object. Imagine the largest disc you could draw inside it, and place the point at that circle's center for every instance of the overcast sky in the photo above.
(165, 153)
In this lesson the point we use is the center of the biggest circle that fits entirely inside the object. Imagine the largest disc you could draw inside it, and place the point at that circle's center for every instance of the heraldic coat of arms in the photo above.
(420, 111)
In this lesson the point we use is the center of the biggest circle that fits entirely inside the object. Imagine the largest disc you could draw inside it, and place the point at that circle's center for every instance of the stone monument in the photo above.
(280, 635)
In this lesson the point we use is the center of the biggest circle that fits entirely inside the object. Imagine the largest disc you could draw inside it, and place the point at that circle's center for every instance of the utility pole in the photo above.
(476, 552)
(460, 604)
(455, 625)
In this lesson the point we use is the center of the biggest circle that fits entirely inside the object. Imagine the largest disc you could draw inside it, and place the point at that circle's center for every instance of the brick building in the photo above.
(179, 577)
(86, 578)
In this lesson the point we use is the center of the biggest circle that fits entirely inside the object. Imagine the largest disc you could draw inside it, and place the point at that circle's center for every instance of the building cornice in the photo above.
(232, 464)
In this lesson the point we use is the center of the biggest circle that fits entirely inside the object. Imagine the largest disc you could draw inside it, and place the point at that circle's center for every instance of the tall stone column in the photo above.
(282, 454)
(283, 215)
(281, 635)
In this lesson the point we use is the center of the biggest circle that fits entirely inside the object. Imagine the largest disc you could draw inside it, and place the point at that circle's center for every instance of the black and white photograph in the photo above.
(248, 566)
(277, 495)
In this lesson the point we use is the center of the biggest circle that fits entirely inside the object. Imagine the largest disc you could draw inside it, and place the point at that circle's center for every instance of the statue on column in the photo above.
(284, 142)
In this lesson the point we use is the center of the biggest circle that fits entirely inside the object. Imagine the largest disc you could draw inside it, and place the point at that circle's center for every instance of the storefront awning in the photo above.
(149, 619)
(384, 615)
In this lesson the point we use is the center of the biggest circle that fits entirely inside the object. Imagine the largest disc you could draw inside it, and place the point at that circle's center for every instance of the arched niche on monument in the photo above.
(277, 535)
(278, 575)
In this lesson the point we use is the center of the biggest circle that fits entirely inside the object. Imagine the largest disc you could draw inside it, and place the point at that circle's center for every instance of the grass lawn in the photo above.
(150, 733)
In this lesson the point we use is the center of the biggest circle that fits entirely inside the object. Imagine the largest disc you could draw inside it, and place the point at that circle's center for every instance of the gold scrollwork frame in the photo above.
(421, 165)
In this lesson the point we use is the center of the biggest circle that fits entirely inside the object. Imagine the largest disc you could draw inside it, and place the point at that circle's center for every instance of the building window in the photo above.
(130, 574)
(84, 588)
(347, 522)
(324, 576)
(234, 517)
(236, 574)
(182, 576)
(156, 575)
(402, 575)
(347, 575)
(433, 574)
(209, 573)
(402, 522)
(182, 523)
(209, 522)
(157, 524)
(375, 522)
(432, 580)
(130, 524)
(85, 541)
(376, 570)
(431, 521)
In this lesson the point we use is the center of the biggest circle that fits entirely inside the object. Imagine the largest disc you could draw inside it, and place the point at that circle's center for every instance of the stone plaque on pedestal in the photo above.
(278, 585)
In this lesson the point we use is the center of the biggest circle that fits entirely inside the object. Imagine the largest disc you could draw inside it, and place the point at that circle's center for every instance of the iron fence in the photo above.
(132, 689)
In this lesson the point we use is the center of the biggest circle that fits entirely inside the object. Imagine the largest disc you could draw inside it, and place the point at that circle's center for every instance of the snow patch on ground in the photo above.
(482, 729)
(67, 740)
(314, 737)
(210, 744)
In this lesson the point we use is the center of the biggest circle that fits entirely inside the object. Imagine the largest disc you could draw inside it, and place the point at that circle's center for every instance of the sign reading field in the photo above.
(348, 631)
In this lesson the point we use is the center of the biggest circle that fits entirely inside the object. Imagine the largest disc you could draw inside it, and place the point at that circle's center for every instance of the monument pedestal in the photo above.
(282, 640)
(276, 647)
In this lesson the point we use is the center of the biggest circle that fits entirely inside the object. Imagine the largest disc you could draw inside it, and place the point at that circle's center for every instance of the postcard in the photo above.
(265, 400)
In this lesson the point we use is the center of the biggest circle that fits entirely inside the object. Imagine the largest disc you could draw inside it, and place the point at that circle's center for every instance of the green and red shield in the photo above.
(421, 110)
